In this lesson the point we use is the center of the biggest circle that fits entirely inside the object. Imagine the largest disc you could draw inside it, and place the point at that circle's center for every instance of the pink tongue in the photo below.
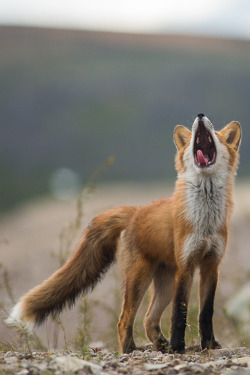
(202, 160)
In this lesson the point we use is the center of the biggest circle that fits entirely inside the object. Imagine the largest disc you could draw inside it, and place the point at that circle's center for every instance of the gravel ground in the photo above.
(221, 361)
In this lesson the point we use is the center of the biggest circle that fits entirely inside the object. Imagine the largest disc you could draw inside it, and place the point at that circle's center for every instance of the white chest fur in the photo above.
(206, 210)
(206, 205)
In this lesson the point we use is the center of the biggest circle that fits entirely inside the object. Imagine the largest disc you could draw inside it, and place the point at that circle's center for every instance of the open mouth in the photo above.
(204, 147)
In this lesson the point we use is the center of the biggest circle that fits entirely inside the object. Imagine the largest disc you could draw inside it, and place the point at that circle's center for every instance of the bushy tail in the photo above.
(79, 274)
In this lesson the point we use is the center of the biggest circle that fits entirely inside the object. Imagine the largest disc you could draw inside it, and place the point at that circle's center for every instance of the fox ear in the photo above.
(232, 134)
(181, 136)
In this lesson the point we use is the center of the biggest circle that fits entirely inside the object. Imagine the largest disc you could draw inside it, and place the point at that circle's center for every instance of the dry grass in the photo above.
(30, 234)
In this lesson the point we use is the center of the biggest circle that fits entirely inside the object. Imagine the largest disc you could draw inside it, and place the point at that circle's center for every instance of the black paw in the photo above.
(129, 348)
(177, 349)
(162, 345)
(210, 344)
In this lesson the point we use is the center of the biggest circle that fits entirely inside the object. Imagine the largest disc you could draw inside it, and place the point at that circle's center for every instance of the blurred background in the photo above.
(83, 81)
(72, 96)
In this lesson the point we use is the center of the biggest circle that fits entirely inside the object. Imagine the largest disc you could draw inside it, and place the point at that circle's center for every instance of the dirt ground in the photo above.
(30, 234)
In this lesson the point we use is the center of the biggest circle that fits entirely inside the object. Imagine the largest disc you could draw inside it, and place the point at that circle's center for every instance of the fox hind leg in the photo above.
(137, 280)
(163, 284)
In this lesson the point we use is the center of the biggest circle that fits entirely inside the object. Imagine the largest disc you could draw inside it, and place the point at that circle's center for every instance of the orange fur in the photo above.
(162, 243)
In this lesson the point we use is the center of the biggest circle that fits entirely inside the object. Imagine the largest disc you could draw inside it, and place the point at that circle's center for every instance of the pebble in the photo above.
(181, 367)
(243, 361)
(23, 372)
(150, 367)
(212, 362)
(10, 360)
(69, 364)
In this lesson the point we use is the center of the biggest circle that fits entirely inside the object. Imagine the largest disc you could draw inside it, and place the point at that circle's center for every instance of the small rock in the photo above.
(208, 367)
(124, 358)
(10, 360)
(167, 359)
(113, 363)
(175, 362)
(122, 370)
(41, 367)
(9, 354)
(217, 353)
(243, 361)
(24, 363)
(236, 371)
(136, 353)
(197, 369)
(153, 367)
(220, 363)
(108, 356)
(181, 367)
(23, 372)
(71, 364)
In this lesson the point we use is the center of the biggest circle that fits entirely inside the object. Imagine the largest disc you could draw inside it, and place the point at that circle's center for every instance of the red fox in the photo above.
(161, 243)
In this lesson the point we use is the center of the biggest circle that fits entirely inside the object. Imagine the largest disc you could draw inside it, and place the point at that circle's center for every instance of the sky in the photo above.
(224, 18)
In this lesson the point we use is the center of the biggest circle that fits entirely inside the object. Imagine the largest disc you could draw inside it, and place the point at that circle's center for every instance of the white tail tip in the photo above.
(16, 318)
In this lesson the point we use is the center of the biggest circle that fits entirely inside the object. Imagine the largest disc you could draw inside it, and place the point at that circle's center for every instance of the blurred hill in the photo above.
(73, 98)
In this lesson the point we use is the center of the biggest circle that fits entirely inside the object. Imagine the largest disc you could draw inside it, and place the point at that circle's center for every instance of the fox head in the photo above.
(205, 151)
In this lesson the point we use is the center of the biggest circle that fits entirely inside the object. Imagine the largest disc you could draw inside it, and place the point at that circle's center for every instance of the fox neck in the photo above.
(206, 201)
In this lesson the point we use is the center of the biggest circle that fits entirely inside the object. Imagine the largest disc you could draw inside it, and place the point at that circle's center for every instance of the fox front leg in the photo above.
(179, 313)
(208, 283)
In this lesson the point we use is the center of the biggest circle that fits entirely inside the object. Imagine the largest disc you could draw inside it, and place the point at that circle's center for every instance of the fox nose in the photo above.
(200, 115)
